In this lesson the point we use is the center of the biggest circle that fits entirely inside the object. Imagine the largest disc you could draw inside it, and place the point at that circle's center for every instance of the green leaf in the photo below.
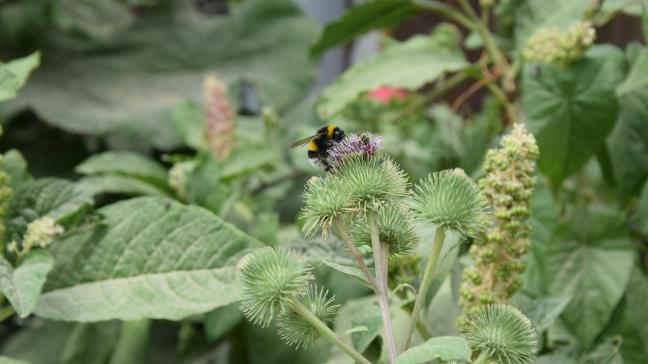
(642, 210)
(189, 119)
(14, 164)
(13, 75)
(132, 342)
(591, 259)
(410, 65)
(532, 15)
(123, 163)
(40, 343)
(155, 258)
(543, 311)
(23, 285)
(90, 343)
(350, 270)
(361, 19)
(629, 140)
(572, 110)
(221, 320)
(444, 348)
(147, 70)
(360, 312)
(59, 199)
(123, 185)
(95, 18)
(6, 360)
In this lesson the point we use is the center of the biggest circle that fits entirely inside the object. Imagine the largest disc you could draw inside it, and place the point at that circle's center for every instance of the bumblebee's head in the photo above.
(334, 133)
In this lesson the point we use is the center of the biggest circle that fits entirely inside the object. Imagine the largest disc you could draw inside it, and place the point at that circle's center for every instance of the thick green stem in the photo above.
(439, 236)
(344, 235)
(6, 312)
(381, 253)
(326, 332)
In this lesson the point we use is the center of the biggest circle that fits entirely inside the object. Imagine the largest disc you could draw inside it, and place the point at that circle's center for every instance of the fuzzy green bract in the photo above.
(326, 198)
(298, 332)
(502, 332)
(451, 200)
(268, 278)
(373, 182)
(395, 229)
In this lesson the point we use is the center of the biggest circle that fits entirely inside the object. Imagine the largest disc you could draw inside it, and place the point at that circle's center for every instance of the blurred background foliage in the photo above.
(118, 102)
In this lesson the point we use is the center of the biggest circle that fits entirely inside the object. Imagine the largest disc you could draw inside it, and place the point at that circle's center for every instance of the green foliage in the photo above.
(445, 348)
(410, 65)
(591, 259)
(185, 266)
(360, 19)
(571, 111)
(629, 140)
(14, 74)
(22, 285)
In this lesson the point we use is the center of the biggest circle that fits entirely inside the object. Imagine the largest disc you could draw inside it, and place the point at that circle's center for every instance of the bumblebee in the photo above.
(319, 144)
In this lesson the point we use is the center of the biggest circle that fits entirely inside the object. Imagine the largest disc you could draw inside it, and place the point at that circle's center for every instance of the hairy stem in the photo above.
(381, 253)
(326, 332)
(482, 358)
(439, 236)
(344, 235)
(445, 10)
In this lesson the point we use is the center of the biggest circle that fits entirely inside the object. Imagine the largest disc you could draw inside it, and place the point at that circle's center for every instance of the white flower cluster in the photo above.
(550, 45)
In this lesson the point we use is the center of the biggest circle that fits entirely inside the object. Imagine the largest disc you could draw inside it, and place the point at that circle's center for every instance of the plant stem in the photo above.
(344, 234)
(6, 312)
(381, 253)
(482, 358)
(439, 236)
(325, 331)
(445, 10)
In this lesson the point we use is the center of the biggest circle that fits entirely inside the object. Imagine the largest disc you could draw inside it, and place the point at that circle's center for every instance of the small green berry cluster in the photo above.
(508, 185)
(550, 45)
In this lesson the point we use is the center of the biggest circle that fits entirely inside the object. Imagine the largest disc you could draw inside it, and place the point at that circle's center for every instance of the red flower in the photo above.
(386, 94)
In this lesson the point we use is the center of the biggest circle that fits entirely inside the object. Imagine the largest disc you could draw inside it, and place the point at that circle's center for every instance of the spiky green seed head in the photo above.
(502, 332)
(268, 278)
(298, 332)
(395, 229)
(451, 200)
(373, 182)
(326, 198)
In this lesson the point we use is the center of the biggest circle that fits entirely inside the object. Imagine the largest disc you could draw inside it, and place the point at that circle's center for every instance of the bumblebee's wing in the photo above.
(301, 142)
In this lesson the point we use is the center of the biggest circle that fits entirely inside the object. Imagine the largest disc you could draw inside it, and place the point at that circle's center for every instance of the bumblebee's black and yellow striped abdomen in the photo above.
(319, 144)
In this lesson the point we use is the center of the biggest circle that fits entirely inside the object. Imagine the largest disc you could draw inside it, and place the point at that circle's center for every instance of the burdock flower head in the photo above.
(451, 200)
(501, 333)
(327, 198)
(365, 144)
(395, 229)
(298, 332)
(269, 278)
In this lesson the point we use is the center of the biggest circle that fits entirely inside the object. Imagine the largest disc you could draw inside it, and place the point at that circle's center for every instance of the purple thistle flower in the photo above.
(366, 144)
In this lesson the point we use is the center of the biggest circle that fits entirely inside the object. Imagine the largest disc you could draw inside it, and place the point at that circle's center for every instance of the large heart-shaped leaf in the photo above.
(629, 140)
(410, 64)
(127, 86)
(445, 348)
(572, 110)
(591, 259)
(23, 285)
(152, 258)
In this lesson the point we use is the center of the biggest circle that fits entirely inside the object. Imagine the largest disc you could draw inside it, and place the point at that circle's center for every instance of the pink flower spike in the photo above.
(386, 94)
